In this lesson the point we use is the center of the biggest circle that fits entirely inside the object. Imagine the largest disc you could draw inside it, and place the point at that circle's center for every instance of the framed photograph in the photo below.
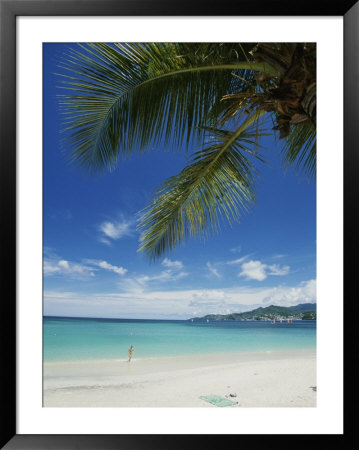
(176, 250)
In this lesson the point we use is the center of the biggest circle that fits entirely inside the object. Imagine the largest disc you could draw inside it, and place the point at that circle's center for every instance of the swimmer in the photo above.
(130, 351)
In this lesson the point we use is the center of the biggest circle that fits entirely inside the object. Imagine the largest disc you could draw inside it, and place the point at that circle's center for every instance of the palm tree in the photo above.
(216, 98)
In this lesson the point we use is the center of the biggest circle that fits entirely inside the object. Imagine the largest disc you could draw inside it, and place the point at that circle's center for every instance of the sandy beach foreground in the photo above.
(263, 379)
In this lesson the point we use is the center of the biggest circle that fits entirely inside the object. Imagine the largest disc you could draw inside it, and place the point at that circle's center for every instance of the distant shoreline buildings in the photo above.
(280, 314)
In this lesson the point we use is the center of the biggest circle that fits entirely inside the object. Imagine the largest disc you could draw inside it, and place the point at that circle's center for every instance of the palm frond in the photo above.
(122, 97)
(218, 184)
(299, 149)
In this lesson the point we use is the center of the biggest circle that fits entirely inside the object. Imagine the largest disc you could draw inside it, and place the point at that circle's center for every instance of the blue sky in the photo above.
(91, 264)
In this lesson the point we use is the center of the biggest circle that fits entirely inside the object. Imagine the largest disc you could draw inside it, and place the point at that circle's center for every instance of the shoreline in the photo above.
(246, 354)
(258, 379)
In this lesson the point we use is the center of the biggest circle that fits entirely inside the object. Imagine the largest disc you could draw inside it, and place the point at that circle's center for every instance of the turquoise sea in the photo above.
(69, 339)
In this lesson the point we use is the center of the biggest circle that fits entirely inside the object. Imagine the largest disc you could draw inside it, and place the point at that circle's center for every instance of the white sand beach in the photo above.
(263, 379)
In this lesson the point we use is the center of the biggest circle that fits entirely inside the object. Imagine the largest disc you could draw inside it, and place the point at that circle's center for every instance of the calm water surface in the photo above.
(84, 339)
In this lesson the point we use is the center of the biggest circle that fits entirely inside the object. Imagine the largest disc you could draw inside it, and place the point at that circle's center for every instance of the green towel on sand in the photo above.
(217, 400)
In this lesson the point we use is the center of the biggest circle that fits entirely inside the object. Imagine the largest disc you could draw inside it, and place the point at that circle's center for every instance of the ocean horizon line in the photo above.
(170, 319)
(113, 318)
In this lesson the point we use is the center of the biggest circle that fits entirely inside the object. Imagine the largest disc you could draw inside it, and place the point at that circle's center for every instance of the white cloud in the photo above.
(104, 241)
(164, 276)
(50, 268)
(278, 256)
(176, 304)
(253, 270)
(305, 292)
(213, 270)
(57, 266)
(173, 273)
(239, 260)
(107, 266)
(176, 265)
(64, 264)
(236, 249)
(70, 269)
(114, 230)
(143, 282)
(276, 269)
(256, 270)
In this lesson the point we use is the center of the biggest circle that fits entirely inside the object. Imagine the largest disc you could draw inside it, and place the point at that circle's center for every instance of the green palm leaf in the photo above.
(122, 97)
(219, 183)
(300, 149)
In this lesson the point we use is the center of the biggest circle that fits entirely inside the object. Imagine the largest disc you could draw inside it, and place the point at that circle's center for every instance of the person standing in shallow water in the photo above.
(130, 351)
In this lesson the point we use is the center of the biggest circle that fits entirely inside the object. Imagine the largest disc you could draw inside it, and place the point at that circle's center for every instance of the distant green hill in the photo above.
(303, 311)
(305, 307)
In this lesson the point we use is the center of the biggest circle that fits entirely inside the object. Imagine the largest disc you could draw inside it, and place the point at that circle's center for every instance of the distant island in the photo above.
(303, 311)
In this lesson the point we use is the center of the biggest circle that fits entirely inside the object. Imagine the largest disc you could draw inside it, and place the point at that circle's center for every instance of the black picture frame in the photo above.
(9, 10)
